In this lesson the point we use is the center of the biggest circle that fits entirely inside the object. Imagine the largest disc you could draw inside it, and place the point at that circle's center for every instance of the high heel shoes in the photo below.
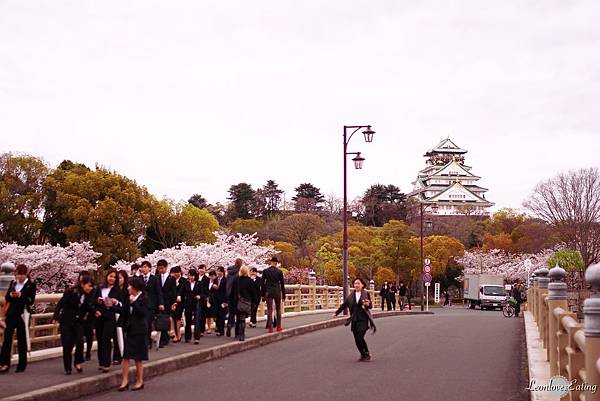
(79, 369)
(138, 388)
(124, 388)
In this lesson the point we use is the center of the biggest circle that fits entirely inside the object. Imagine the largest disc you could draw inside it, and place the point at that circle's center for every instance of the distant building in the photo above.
(449, 183)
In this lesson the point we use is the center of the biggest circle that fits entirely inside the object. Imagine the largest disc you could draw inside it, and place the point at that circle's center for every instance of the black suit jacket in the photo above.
(169, 291)
(154, 293)
(108, 313)
(246, 289)
(188, 296)
(70, 310)
(359, 317)
(136, 317)
(17, 305)
(220, 294)
(273, 281)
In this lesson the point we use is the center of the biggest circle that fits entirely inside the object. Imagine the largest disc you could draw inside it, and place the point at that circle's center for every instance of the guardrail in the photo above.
(299, 298)
(572, 348)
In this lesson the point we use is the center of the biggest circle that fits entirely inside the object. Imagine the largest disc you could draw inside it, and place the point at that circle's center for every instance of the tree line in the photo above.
(122, 220)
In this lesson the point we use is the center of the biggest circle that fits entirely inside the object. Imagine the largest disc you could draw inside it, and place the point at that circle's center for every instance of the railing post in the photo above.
(557, 298)
(313, 297)
(541, 307)
(338, 302)
(536, 286)
(531, 294)
(591, 329)
(326, 297)
(298, 291)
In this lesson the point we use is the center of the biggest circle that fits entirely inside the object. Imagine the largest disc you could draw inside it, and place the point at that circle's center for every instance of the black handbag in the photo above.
(163, 323)
(244, 306)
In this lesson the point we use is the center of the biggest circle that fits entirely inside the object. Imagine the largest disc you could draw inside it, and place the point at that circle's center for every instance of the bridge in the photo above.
(455, 351)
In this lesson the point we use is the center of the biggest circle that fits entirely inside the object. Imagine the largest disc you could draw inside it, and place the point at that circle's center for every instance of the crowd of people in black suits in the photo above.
(390, 295)
(124, 311)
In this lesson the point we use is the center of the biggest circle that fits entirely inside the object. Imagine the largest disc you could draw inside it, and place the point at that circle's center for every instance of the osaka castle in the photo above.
(449, 183)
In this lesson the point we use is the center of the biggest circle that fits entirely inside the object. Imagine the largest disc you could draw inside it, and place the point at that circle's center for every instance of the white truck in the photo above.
(485, 290)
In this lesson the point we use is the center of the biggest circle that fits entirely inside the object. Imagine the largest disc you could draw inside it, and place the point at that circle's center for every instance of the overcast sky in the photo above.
(192, 96)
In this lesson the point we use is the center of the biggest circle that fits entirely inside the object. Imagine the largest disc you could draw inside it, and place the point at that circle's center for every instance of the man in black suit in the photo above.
(154, 293)
(168, 286)
(384, 293)
(258, 284)
(273, 292)
(204, 281)
(20, 296)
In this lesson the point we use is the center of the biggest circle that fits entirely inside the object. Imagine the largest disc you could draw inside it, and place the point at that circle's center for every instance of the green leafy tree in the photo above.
(242, 201)
(21, 198)
(383, 203)
(105, 208)
(198, 201)
(569, 260)
(308, 198)
(272, 195)
(174, 223)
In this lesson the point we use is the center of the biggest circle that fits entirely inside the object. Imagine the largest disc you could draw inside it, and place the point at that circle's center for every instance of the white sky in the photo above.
(193, 96)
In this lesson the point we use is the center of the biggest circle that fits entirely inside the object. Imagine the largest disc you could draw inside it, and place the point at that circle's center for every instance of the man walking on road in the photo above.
(402, 295)
(273, 291)
(232, 276)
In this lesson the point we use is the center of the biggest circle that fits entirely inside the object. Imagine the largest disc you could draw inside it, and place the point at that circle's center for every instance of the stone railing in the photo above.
(572, 347)
(298, 299)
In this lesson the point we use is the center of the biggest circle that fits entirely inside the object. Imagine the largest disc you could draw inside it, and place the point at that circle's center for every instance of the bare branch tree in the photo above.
(571, 203)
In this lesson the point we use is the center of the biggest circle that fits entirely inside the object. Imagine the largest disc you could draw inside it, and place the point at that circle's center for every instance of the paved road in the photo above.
(50, 372)
(456, 354)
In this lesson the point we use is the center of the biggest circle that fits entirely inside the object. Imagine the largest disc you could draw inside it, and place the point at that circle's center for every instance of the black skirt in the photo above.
(178, 312)
(136, 347)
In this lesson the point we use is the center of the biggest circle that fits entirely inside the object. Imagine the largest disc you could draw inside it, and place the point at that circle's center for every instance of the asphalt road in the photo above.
(456, 354)
(50, 372)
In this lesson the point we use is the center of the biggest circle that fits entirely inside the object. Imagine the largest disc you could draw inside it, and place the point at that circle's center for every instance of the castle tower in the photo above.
(446, 181)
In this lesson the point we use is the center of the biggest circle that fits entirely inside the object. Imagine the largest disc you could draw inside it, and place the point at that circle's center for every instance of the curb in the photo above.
(539, 368)
(104, 382)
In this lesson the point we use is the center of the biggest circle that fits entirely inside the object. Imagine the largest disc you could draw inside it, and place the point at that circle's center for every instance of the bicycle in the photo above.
(508, 310)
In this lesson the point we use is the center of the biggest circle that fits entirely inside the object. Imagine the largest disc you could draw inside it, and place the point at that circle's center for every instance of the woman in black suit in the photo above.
(19, 296)
(123, 279)
(219, 299)
(211, 306)
(177, 307)
(246, 295)
(108, 302)
(191, 299)
(71, 312)
(136, 339)
(359, 304)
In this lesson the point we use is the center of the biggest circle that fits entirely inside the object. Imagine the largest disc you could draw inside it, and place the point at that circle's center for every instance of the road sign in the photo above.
(427, 261)
(427, 277)
(427, 284)
(426, 269)
(436, 293)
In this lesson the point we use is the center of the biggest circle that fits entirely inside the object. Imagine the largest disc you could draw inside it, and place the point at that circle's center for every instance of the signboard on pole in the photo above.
(427, 277)
(436, 293)
(426, 269)
(427, 261)
(427, 284)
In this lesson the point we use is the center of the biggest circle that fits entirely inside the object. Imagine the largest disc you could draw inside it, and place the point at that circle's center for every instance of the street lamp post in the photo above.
(358, 163)
(434, 208)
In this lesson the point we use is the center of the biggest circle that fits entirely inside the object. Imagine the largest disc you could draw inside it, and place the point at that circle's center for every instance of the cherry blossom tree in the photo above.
(222, 252)
(53, 268)
(511, 266)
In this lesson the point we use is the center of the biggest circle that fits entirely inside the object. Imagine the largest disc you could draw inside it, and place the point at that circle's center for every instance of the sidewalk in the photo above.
(43, 377)
(539, 368)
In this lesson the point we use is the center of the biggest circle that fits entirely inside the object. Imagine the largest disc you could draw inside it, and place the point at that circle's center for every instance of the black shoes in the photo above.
(124, 388)
(365, 358)
(228, 332)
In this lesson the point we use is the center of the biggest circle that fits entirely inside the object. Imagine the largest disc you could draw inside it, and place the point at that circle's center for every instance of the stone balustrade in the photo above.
(572, 347)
